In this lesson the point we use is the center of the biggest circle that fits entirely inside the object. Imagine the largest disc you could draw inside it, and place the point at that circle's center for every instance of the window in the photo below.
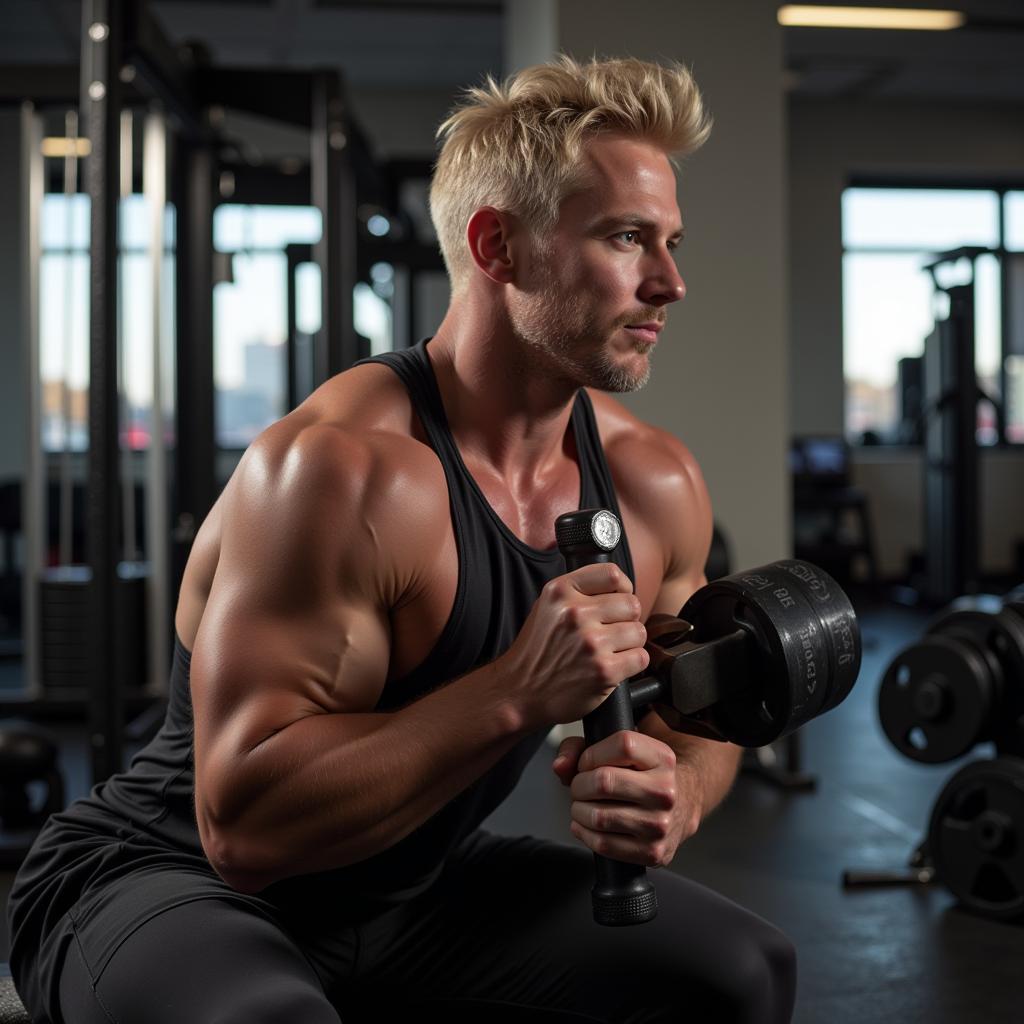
(64, 319)
(890, 303)
(250, 314)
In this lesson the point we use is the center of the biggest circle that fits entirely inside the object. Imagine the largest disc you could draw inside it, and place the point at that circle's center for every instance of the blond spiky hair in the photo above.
(517, 146)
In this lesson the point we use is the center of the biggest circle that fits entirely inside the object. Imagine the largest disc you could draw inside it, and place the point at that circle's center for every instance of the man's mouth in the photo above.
(646, 332)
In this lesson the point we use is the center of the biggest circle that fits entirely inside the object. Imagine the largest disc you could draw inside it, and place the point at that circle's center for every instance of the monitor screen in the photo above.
(819, 459)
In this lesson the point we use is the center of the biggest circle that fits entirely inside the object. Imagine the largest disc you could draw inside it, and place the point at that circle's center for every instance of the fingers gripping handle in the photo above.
(622, 893)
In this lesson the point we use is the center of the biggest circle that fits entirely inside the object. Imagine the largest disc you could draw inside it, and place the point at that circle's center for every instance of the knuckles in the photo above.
(660, 856)
(666, 796)
(628, 743)
(608, 674)
(661, 825)
(604, 781)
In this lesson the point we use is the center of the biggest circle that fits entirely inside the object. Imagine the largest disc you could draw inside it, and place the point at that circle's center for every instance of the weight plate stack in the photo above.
(935, 699)
(66, 628)
(962, 684)
(65, 623)
(976, 837)
(1007, 640)
(804, 643)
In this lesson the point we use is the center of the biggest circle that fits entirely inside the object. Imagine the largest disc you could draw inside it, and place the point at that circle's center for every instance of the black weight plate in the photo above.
(839, 622)
(976, 837)
(1014, 604)
(975, 619)
(998, 631)
(1007, 640)
(935, 703)
(968, 604)
(804, 646)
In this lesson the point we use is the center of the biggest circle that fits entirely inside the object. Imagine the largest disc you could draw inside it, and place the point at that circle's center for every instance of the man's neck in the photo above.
(503, 409)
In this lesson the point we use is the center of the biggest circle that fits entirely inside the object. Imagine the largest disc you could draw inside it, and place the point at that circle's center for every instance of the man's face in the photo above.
(596, 291)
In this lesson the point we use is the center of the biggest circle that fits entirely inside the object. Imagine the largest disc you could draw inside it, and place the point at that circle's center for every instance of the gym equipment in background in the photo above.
(28, 764)
(949, 419)
(750, 658)
(962, 684)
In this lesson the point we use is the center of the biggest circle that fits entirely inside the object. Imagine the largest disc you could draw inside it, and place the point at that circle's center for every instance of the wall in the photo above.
(719, 377)
(829, 142)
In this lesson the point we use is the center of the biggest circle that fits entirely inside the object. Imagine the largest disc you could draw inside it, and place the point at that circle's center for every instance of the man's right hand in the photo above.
(582, 638)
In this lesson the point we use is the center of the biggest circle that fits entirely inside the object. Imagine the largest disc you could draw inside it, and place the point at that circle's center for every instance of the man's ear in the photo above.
(488, 235)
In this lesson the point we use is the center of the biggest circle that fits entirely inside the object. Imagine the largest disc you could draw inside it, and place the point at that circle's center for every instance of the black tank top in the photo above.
(500, 577)
(143, 820)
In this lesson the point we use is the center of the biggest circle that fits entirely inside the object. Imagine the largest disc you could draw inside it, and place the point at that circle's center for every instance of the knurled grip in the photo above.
(588, 532)
(625, 910)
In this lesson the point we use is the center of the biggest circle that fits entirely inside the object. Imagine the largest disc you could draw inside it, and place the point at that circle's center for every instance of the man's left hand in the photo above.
(632, 801)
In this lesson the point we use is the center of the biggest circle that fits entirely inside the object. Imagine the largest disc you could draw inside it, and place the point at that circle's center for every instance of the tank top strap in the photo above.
(597, 488)
(414, 370)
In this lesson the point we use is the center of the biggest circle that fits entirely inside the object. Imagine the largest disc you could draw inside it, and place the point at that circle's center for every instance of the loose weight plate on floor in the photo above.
(936, 698)
(976, 837)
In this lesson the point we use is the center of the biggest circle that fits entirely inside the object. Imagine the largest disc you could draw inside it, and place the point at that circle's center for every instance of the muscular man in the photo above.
(376, 631)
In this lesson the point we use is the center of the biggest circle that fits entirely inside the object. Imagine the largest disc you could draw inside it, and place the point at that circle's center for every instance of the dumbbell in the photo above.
(961, 684)
(750, 658)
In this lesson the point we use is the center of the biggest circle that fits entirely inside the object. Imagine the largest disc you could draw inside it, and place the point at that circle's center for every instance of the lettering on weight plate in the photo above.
(810, 665)
(756, 581)
(845, 641)
(815, 583)
(783, 596)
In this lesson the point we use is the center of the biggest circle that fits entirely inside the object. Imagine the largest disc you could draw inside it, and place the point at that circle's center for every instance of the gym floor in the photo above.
(880, 955)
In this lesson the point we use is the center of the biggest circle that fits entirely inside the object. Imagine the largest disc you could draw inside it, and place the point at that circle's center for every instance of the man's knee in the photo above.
(764, 978)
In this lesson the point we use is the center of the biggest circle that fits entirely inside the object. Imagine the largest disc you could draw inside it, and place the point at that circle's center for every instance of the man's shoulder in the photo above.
(361, 420)
(632, 445)
(346, 454)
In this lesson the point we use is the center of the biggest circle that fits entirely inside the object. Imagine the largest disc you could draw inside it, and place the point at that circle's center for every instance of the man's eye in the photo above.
(629, 237)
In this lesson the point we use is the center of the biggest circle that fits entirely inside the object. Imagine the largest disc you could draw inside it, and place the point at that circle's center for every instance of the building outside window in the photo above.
(64, 320)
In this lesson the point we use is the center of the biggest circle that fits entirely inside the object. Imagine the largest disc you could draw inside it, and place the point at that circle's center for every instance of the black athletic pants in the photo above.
(506, 934)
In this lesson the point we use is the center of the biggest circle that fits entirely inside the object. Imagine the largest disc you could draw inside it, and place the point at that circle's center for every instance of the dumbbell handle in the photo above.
(622, 893)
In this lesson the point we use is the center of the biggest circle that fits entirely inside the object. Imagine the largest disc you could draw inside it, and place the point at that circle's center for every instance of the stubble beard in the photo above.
(558, 328)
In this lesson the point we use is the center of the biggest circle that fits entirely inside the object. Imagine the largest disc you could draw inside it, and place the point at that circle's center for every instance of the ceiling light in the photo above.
(870, 17)
(56, 145)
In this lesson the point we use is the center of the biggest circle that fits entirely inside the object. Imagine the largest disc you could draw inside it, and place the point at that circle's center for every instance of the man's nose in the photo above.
(663, 283)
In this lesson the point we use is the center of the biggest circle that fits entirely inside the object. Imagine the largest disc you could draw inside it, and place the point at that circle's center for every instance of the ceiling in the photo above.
(429, 44)
(984, 61)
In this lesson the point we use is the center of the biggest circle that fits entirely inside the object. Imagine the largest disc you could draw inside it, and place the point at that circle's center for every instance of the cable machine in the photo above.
(949, 411)
(130, 76)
